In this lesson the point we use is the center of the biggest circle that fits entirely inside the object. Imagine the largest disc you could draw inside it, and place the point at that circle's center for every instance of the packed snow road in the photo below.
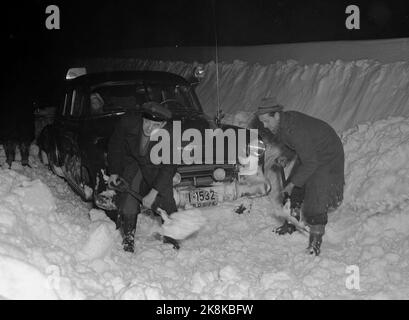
(55, 246)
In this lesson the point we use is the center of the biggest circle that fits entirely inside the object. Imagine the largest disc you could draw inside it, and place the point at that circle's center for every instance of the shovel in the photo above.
(286, 212)
(178, 227)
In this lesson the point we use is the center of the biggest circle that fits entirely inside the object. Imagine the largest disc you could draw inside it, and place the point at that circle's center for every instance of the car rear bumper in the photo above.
(189, 196)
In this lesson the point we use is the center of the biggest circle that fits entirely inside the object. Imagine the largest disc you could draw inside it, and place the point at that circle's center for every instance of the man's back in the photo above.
(300, 128)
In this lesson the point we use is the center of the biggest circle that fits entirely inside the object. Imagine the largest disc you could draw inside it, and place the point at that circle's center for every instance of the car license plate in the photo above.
(203, 198)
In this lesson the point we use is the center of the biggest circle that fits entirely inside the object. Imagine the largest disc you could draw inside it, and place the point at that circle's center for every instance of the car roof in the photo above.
(150, 76)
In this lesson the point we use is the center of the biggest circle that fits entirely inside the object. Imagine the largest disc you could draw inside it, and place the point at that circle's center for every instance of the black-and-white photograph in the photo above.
(204, 150)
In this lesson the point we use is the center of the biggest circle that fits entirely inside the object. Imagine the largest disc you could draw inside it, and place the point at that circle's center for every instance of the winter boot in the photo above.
(128, 232)
(10, 150)
(316, 233)
(9, 163)
(129, 241)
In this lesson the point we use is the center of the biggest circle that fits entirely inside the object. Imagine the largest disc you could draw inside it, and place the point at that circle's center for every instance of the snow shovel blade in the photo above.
(182, 226)
(299, 226)
(291, 219)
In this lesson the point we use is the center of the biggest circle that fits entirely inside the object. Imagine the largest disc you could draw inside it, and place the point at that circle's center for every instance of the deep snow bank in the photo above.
(52, 245)
(377, 163)
(43, 241)
(343, 93)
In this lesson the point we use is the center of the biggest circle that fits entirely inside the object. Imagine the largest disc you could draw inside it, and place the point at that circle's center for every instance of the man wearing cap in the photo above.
(317, 178)
(129, 157)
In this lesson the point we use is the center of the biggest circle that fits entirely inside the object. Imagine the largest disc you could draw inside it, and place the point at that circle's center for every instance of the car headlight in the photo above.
(199, 72)
(257, 148)
(219, 174)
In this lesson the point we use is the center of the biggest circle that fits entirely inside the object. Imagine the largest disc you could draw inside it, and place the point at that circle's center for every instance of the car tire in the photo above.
(53, 157)
(54, 168)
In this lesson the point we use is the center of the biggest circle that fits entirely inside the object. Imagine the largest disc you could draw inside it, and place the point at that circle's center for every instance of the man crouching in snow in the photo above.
(129, 157)
(317, 178)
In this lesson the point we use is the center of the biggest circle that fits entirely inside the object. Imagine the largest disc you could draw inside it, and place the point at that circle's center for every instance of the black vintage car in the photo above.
(75, 144)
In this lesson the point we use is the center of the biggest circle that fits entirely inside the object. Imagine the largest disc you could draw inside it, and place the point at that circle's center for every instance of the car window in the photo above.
(96, 103)
(65, 103)
(72, 106)
(76, 104)
(109, 97)
(175, 97)
(68, 103)
(73, 97)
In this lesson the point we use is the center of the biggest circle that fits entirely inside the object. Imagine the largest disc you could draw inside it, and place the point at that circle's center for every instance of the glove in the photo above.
(285, 198)
(285, 228)
(281, 161)
(315, 240)
(113, 180)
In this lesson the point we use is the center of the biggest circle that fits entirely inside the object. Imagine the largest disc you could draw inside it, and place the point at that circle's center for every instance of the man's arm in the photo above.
(162, 184)
(164, 179)
(309, 163)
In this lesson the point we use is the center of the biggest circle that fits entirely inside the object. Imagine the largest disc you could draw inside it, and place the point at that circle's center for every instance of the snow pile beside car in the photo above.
(377, 163)
(343, 93)
(29, 231)
(35, 240)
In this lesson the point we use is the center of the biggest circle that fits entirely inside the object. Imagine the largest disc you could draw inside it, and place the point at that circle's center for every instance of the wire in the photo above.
(217, 58)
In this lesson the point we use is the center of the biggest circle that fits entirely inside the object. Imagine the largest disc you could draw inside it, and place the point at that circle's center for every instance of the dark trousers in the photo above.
(129, 207)
(322, 191)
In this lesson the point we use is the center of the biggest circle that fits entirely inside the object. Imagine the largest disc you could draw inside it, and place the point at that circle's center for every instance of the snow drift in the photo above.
(377, 163)
(343, 93)
(54, 246)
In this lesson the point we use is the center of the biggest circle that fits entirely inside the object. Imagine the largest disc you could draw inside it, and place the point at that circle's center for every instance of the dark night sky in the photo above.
(100, 28)
(97, 27)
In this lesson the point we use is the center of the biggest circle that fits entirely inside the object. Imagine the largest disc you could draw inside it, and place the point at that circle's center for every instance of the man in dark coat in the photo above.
(129, 157)
(317, 178)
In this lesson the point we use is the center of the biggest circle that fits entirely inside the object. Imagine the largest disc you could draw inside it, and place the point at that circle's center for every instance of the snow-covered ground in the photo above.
(54, 246)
